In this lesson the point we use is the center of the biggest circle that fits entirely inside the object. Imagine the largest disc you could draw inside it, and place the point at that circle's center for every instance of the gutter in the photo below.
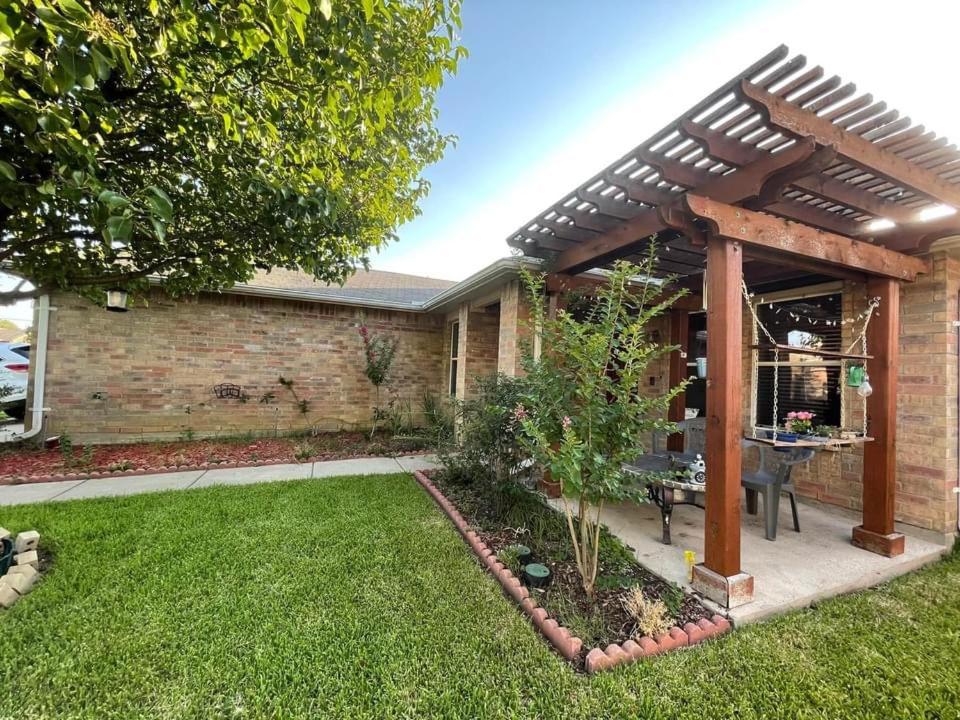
(313, 296)
(504, 267)
(38, 360)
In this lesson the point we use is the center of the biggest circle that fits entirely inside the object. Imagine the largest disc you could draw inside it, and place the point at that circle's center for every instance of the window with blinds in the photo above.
(806, 382)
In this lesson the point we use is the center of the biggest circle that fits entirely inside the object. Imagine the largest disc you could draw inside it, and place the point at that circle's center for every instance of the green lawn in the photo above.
(355, 598)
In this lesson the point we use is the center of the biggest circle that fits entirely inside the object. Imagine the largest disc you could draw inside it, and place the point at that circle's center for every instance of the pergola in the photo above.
(781, 172)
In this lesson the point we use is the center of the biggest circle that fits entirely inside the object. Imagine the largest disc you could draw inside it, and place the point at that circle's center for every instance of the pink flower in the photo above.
(567, 422)
(520, 412)
(363, 331)
(791, 416)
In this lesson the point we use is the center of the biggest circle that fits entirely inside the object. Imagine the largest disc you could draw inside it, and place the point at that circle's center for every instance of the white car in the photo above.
(14, 367)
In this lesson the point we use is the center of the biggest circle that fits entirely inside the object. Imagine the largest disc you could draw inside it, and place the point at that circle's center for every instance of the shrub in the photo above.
(438, 419)
(652, 616)
(489, 448)
(378, 352)
(583, 410)
(303, 451)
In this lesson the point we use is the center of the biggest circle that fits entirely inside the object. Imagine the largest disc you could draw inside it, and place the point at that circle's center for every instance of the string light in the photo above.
(796, 316)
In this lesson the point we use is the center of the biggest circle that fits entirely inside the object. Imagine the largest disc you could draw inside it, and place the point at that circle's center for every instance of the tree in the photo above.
(199, 142)
(378, 353)
(584, 411)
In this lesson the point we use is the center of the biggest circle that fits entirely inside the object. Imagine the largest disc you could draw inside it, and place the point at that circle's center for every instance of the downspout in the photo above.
(956, 490)
(38, 359)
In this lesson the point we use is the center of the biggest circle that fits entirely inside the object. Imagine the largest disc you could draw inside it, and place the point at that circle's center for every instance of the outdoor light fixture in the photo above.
(935, 211)
(117, 300)
(880, 224)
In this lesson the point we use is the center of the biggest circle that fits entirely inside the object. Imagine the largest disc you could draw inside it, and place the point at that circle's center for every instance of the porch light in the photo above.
(935, 211)
(880, 224)
(117, 300)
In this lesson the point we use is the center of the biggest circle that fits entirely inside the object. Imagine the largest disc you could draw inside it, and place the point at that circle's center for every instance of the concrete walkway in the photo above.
(132, 485)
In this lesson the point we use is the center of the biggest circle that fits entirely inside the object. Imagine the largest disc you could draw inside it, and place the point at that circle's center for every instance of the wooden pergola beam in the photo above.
(560, 283)
(696, 178)
(799, 240)
(730, 150)
(799, 123)
(735, 187)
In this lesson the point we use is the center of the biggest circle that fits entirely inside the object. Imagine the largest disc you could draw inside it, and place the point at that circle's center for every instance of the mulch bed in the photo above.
(599, 622)
(25, 465)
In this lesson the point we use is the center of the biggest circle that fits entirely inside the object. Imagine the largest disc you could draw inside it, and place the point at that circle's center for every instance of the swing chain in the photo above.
(776, 355)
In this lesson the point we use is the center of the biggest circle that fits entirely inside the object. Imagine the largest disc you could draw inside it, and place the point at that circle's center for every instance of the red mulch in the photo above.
(25, 465)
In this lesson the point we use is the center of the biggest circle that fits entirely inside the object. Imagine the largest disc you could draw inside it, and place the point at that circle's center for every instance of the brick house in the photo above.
(150, 373)
(774, 182)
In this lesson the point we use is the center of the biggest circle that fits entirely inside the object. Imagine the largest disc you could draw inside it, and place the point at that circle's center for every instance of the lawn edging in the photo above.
(565, 643)
(160, 469)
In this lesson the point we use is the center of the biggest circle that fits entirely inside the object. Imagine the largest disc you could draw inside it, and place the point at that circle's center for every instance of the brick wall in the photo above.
(479, 347)
(154, 367)
(515, 329)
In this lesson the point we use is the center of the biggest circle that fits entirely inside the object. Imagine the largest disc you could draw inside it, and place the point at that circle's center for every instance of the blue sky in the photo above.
(553, 91)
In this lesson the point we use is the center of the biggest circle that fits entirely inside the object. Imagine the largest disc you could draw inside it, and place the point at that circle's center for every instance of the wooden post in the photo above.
(880, 456)
(679, 332)
(720, 577)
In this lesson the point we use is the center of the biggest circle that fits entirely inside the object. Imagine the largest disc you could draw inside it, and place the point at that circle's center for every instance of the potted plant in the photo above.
(800, 422)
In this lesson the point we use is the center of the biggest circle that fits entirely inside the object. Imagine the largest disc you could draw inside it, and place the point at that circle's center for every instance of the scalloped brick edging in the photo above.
(159, 469)
(567, 644)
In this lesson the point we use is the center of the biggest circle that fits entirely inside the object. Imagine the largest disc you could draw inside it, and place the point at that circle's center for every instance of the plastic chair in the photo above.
(771, 479)
(694, 437)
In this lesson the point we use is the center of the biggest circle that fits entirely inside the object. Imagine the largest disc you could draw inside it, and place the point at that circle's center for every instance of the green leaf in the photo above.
(112, 199)
(159, 229)
(119, 228)
(368, 9)
(7, 170)
(325, 9)
(74, 10)
(160, 202)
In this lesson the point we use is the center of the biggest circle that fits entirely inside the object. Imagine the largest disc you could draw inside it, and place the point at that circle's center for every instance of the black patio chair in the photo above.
(772, 478)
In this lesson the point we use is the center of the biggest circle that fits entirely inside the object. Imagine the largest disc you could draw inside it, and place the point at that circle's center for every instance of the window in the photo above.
(806, 382)
(454, 354)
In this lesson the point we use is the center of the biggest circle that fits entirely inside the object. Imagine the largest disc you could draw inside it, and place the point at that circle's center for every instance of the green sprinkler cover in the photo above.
(537, 570)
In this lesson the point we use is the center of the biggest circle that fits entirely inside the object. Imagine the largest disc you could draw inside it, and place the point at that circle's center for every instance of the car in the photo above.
(14, 368)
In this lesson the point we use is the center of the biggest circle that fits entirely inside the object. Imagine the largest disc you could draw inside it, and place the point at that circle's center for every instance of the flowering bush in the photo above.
(378, 352)
(586, 403)
(800, 421)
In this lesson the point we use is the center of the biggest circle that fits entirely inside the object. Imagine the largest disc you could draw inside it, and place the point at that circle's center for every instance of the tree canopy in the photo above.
(199, 142)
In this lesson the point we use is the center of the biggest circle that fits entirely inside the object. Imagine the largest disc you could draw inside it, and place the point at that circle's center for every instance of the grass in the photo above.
(355, 598)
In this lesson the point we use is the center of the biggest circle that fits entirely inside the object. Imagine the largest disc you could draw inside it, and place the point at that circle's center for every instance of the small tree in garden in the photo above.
(378, 352)
(584, 409)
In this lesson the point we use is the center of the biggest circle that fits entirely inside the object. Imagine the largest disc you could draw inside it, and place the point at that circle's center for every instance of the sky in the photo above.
(555, 90)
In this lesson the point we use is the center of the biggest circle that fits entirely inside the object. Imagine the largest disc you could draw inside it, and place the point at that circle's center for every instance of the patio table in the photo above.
(666, 494)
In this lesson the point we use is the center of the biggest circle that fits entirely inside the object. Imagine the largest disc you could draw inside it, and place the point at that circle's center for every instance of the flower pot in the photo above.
(548, 487)
(782, 436)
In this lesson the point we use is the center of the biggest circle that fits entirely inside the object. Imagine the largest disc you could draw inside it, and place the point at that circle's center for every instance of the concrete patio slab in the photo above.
(250, 475)
(794, 571)
(112, 487)
(356, 466)
(411, 463)
(34, 492)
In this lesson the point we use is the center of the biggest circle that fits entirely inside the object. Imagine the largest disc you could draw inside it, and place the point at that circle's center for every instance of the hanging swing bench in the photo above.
(854, 377)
